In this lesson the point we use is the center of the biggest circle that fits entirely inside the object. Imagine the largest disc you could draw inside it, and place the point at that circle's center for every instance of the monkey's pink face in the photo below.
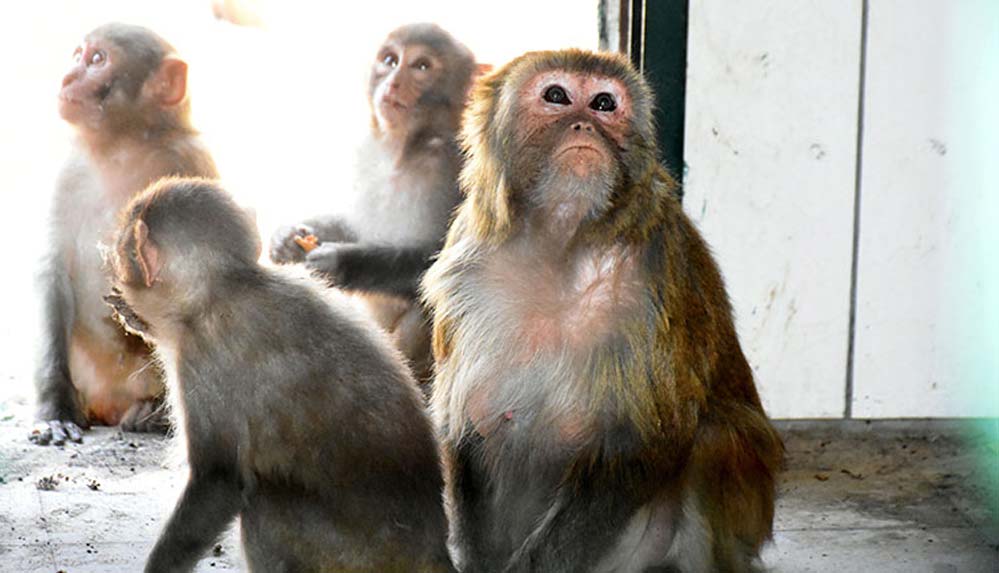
(583, 119)
(399, 77)
(88, 81)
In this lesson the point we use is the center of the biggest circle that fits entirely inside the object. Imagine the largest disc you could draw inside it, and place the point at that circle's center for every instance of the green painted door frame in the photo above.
(654, 34)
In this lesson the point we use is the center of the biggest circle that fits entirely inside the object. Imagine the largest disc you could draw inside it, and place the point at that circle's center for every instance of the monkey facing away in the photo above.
(126, 98)
(596, 410)
(297, 414)
(406, 187)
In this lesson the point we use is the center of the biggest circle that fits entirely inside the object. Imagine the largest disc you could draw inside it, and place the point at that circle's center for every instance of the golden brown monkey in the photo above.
(596, 409)
(126, 97)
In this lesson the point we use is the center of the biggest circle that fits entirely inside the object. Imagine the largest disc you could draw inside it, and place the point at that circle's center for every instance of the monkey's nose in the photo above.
(582, 126)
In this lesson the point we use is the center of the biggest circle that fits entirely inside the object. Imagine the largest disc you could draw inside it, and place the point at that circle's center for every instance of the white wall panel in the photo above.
(926, 339)
(771, 147)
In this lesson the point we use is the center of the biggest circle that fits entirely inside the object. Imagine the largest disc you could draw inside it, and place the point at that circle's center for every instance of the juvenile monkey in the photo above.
(596, 410)
(126, 97)
(297, 414)
(406, 186)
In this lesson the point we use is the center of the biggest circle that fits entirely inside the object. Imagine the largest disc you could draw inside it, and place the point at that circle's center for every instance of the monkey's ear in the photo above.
(146, 254)
(482, 69)
(170, 83)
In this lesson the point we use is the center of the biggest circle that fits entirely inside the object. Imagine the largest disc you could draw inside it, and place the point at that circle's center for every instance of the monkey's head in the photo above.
(175, 239)
(563, 134)
(124, 79)
(417, 62)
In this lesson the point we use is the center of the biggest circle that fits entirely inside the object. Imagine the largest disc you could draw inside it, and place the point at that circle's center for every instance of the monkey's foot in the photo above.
(146, 416)
(55, 432)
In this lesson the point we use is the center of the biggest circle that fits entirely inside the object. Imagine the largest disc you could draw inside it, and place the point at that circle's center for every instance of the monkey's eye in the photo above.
(390, 60)
(556, 95)
(422, 65)
(603, 102)
(96, 59)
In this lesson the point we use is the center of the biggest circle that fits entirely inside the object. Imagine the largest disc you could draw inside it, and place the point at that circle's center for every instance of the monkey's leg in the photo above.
(467, 496)
(58, 403)
(146, 415)
(412, 337)
(582, 526)
(148, 412)
(209, 503)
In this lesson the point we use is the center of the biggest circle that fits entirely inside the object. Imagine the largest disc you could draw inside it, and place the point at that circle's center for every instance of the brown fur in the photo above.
(663, 410)
(126, 100)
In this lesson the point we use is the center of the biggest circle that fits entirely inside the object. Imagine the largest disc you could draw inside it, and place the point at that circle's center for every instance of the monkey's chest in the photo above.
(536, 343)
(563, 309)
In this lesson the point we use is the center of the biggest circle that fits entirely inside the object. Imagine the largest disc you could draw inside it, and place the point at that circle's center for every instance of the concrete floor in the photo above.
(889, 497)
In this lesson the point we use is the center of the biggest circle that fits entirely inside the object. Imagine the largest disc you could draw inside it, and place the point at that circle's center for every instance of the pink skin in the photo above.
(92, 68)
(583, 148)
(403, 73)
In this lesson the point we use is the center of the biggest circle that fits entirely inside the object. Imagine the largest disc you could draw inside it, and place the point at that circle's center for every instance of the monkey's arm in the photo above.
(328, 229)
(373, 268)
(58, 406)
(209, 503)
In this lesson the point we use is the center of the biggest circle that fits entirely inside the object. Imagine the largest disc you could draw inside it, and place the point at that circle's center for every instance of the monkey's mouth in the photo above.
(68, 100)
(580, 150)
(578, 147)
(394, 104)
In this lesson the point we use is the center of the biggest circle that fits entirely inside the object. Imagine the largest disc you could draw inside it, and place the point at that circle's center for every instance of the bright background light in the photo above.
(281, 107)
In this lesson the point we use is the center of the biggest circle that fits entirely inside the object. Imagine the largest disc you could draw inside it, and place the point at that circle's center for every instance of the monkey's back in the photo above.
(326, 427)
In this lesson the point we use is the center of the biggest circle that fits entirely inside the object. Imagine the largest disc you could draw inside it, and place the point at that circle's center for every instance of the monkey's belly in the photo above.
(384, 309)
(111, 371)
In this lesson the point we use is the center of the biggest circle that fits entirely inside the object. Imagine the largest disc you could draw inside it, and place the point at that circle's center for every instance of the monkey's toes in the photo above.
(56, 433)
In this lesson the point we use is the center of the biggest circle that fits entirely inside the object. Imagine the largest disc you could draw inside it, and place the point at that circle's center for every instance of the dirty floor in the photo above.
(885, 497)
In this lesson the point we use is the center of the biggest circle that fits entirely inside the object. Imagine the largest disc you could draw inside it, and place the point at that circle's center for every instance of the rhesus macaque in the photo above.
(297, 413)
(596, 410)
(126, 97)
(406, 187)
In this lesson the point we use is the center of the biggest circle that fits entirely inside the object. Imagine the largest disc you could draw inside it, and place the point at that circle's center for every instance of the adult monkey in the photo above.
(296, 413)
(406, 186)
(595, 407)
(126, 97)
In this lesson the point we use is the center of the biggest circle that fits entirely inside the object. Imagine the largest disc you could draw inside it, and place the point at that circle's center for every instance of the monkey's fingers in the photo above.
(308, 242)
(41, 434)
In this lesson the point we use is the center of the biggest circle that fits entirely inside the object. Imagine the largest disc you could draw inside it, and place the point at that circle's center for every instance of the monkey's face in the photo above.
(89, 81)
(401, 74)
(571, 128)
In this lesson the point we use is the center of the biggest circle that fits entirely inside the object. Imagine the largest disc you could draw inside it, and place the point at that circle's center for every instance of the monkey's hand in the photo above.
(284, 249)
(332, 261)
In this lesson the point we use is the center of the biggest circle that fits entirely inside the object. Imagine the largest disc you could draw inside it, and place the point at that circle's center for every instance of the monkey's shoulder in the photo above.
(321, 325)
(184, 155)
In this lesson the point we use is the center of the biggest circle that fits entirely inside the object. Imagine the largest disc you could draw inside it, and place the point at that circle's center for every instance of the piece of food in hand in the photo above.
(124, 315)
(308, 242)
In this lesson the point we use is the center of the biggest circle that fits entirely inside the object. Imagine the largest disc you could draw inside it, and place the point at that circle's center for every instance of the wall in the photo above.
(835, 181)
